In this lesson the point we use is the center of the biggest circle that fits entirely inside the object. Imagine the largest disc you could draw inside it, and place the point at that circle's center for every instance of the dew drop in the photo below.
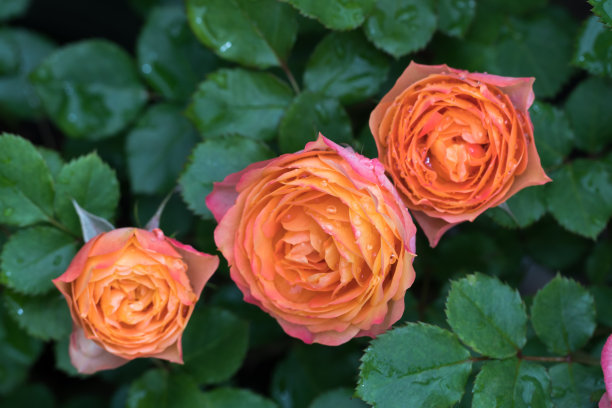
(357, 234)
(225, 46)
(20, 311)
(146, 68)
(370, 247)
(324, 183)
(331, 209)
(392, 259)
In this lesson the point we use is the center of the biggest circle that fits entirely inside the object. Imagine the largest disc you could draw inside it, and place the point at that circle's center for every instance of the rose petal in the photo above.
(224, 193)
(605, 402)
(200, 266)
(88, 357)
(433, 228)
(606, 364)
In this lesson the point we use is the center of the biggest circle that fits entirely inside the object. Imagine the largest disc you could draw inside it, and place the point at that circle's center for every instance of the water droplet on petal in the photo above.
(331, 209)
(324, 183)
(370, 247)
(392, 259)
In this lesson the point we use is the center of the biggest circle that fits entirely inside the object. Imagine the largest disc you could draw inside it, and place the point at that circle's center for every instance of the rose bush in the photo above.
(319, 240)
(130, 293)
(456, 143)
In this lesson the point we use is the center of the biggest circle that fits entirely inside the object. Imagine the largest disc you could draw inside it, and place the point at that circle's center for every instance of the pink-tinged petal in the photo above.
(224, 193)
(396, 310)
(605, 402)
(173, 353)
(433, 228)
(519, 90)
(112, 241)
(606, 364)
(296, 330)
(225, 233)
(200, 266)
(76, 266)
(88, 357)
(155, 241)
(334, 338)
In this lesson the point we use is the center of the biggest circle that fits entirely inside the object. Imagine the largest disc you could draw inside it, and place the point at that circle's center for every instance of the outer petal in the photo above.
(606, 364)
(87, 357)
(200, 266)
(224, 194)
(433, 228)
(605, 402)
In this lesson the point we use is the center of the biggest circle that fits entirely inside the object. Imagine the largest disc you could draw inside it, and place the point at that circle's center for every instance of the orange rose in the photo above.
(130, 294)
(456, 143)
(319, 240)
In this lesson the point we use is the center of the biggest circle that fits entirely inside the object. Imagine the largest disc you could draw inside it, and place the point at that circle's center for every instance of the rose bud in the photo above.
(319, 240)
(606, 366)
(456, 143)
(131, 293)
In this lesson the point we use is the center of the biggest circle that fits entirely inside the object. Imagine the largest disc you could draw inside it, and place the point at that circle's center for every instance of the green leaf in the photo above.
(588, 115)
(599, 263)
(335, 15)
(580, 196)
(211, 161)
(516, 6)
(214, 345)
(512, 383)
(455, 16)
(34, 256)
(347, 67)
(30, 395)
(603, 303)
(238, 101)
(306, 372)
(526, 207)
(44, 316)
(563, 252)
(338, 398)
(18, 351)
(13, 8)
(594, 51)
(160, 389)
(235, 398)
(525, 51)
(417, 365)
(92, 184)
(487, 315)
(26, 188)
(53, 160)
(170, 58)
(563, 315)
(157, 148)
(603, 8)
(258, 34)
(573, 385)
(552, 132)
(401, 27)
(309, 114)
(365, 143)
(20, 52)
(90, 89)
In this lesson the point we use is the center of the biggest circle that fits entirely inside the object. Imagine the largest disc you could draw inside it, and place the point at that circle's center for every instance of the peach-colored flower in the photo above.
(130, 294)
(456, 143)
(606, 366)
(319, 240)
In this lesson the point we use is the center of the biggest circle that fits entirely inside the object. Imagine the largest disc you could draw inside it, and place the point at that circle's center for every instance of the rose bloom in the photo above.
(318, 239)
(130, 294)
(456, 143)
(606, 366)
